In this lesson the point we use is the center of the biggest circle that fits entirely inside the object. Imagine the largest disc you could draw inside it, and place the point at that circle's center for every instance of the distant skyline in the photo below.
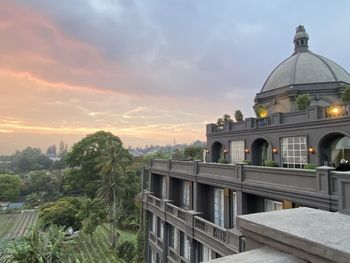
(147, 71)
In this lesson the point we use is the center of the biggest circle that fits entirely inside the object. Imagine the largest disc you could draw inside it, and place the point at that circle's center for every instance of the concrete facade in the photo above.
(193, 210)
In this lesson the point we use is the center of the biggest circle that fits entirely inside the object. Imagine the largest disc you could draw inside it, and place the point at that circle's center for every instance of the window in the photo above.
(237, 151)
(294, 152)
(205, 253)
(171, 238)
(184, 246)
(153, 223)
(160, 228)
(271, 205)
(186, 195)
(163, 187)
(234, 209)
(219, 206)
(153, 256)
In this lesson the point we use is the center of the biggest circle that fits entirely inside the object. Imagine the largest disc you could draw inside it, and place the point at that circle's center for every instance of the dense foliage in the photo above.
(194, 152)
(64, 212)
(126, 251)
(303, 101)
(10, 186)
(38, 245)
(85, 158)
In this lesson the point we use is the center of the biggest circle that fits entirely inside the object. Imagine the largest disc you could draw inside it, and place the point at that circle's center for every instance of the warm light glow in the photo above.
(335, 110)
(311, 150)
(246, 150)
(274, 150)
(225, 151)
(263, 114)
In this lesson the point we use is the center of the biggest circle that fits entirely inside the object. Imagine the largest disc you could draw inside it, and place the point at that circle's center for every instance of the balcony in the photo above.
(176, 212)
(230, 238)
(277, 182)
(189, 221)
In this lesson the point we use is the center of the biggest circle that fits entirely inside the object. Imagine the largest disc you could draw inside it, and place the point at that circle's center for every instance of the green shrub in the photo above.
(238, 115)
(61, 213)
(310, 166)
(126, 251)
(345, 95)
(270, 163)
(303, 101)
(247, 162)
(222, 160)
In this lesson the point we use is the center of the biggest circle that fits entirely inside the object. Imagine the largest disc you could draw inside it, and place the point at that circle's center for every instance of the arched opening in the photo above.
(261, 151)
(217, 152)
(333, 147)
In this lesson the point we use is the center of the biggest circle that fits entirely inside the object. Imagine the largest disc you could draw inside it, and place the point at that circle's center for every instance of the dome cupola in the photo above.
(301, 39)
(303, 72)
(304, 67)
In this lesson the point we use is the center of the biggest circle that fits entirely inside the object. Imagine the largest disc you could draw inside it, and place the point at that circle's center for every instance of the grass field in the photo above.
(82, 250)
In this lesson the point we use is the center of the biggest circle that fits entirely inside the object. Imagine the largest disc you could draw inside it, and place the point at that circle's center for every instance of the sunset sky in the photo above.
(148, 71)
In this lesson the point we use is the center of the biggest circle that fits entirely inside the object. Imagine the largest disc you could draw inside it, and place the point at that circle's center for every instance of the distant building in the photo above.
(191, 207)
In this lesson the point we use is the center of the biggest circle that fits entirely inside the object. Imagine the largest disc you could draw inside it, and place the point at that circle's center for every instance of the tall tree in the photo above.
(112, 164)
(84, 159)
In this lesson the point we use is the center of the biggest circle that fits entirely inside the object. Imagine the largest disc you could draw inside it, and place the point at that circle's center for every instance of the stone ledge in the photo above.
(302, 232)
(264, 254)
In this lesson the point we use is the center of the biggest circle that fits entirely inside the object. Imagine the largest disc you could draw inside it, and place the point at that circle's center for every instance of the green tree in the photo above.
(345, 95)
(113, 162)
(64, 212)
(226, 117)
(85, 157)
(94, 213)
(303, 101)
(238, 115)
(194, 152)
(30, 159)
(126, 251)
(10, 186)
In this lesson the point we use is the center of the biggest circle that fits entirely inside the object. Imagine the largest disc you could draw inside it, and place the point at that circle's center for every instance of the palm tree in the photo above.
(113, 163)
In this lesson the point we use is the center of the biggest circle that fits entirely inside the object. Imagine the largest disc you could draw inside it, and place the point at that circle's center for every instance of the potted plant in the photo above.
(270, 163)
(238, 115)
(303, 101)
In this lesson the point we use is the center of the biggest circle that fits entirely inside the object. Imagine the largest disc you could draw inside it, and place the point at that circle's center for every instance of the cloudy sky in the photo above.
(149, 71)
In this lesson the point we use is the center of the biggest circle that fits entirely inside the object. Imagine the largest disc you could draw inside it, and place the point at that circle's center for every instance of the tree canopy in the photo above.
(10, 186)
(85, 157)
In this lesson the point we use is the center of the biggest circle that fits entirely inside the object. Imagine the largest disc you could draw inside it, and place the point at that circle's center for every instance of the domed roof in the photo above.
(304, 67)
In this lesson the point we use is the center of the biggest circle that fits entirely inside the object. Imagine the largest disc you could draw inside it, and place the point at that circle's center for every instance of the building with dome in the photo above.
(283, 158)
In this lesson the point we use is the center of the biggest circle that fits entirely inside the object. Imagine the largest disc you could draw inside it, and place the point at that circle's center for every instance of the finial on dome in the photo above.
(301, 39)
